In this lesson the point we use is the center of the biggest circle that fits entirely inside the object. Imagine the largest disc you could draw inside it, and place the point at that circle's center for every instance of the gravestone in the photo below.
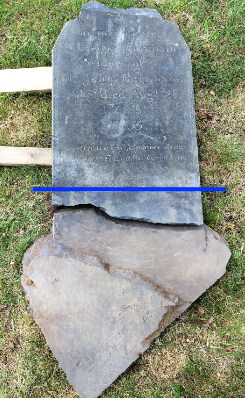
(100, 288)
(123, 115)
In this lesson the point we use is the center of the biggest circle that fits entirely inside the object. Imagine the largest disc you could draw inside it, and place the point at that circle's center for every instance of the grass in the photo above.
(189, 359)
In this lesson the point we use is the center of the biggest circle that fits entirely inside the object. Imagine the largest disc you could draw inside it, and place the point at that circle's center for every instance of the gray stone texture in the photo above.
(123, 115)
(102, 289)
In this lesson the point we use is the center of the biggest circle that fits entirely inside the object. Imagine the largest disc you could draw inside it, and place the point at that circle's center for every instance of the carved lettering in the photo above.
(84, 32)
(105, 49)
(107, 94)
(149, 49)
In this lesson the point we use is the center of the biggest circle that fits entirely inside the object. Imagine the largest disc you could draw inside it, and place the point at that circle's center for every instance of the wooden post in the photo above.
(16, 156)
(26, 79)
(32, 80)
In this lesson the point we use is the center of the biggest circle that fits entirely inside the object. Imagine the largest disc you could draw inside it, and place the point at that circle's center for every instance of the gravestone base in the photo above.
(102, 289)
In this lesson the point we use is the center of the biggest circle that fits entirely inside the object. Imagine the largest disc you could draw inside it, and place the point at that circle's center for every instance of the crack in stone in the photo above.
(105, 265)
(158, 288)
(206, 236)
(121, 273)
(167, 318)
(141, 223)
(137, 277)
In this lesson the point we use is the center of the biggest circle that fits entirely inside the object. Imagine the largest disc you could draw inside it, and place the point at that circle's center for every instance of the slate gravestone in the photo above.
(123, 115)
(102, 291)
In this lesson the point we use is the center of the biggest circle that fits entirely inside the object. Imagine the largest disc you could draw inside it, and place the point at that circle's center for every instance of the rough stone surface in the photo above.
(123, 115)
(101, 289)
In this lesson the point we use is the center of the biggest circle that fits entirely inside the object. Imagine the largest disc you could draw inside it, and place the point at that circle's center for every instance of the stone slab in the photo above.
(123, 115)
(102, 289)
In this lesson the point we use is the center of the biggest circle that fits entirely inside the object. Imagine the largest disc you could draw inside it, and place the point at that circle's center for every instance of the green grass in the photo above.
(187, 359)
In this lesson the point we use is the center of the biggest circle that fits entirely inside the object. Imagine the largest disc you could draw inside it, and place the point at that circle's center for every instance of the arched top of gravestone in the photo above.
(123, 115)
(95, 6)
(141, 12)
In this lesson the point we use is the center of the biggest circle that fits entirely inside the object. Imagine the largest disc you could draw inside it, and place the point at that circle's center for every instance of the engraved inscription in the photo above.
(105, 49)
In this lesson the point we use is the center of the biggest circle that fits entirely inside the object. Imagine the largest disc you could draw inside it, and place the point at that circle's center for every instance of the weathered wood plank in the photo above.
(16, 156)
(26, 79)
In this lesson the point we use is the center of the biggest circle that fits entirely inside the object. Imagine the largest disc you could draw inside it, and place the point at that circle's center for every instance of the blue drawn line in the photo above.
(97, 189)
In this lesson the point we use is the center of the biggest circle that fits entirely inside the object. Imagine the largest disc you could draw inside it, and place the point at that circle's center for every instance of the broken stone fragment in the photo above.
(102, 289)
